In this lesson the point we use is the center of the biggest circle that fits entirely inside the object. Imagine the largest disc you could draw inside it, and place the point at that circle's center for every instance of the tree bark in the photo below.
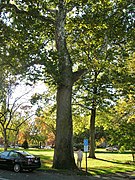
(92, 133)
(63, 153)
(92, 120)
(5, 140)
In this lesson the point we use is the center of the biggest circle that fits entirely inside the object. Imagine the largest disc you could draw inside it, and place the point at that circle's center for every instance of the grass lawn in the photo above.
(106, 162)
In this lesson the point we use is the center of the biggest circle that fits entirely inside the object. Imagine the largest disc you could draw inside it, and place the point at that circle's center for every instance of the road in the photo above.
(41, 175)
(38, 175)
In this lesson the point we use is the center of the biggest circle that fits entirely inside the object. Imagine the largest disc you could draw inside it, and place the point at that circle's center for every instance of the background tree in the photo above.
(24, 133)
(80, 129)
(11, 116)
(121, 125)
(46, 114)
(25, 144)
(105, 51)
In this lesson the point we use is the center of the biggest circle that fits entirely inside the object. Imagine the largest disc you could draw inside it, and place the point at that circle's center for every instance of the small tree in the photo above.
(25, 144)
(13, 112)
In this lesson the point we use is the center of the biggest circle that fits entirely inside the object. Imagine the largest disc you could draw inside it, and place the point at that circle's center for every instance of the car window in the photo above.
(4, 154)
(24, 153)
(13, 154)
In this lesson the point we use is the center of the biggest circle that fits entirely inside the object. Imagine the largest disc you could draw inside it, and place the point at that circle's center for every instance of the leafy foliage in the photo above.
(122, 131)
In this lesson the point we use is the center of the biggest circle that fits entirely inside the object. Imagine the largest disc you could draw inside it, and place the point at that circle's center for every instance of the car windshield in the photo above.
(4, 154)
(24, 153)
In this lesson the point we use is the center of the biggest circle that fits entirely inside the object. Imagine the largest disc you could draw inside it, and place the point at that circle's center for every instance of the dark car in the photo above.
(19, 160)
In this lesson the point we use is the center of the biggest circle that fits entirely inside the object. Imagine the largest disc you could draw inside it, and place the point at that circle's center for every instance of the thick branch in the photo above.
(1, 115)
(10, 118)
(77, 74)
(11, 129)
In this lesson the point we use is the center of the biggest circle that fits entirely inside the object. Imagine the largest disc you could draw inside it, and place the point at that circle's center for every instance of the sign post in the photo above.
(86, 150)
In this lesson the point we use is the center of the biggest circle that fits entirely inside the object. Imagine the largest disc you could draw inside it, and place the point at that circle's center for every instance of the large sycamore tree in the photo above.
(40, 39)
(34, 42)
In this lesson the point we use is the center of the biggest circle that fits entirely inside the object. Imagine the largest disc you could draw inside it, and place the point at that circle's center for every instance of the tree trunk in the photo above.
(133, 153)
(5, 140)
(63, 154)
(92, 133)
(92, 120)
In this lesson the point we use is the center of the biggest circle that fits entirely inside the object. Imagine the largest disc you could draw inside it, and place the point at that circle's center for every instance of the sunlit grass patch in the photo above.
(109, 163)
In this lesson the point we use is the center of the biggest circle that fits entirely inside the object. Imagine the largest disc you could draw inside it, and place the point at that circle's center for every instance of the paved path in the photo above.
(42, 175)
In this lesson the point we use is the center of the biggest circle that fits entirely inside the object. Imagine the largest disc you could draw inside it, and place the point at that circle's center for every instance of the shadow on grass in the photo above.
(124, 167)
(46, 161)
(107, 171)
(114, 152)
(115, 162)
(72, 172)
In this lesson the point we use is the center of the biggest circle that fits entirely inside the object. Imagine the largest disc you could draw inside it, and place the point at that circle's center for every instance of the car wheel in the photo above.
(17, 168)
